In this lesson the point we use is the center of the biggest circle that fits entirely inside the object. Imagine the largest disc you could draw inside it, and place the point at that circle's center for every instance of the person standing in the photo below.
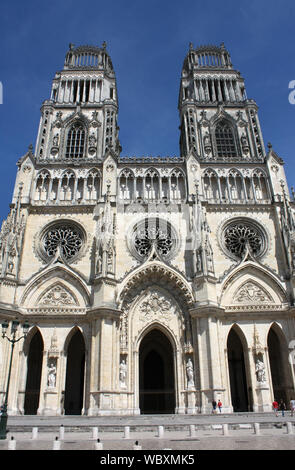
(214, 405)
(282, 407)
(292, 406)
(219, 404)
(275, 406)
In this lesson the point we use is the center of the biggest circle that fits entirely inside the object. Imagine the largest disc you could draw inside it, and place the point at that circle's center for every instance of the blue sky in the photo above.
(147, 41)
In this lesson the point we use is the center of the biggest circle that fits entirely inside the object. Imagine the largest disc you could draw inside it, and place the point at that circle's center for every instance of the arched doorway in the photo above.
(279, 365)
(74, 388)
(237, 372)
(156, 374)
(34, 370)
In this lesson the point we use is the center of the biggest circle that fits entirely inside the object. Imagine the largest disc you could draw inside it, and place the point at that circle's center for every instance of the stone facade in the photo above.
(151, 284)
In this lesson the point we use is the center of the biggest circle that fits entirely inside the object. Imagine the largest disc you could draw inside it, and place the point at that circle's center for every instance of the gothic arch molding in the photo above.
(30, 335)
(238, 330)
(267, 288)
(239, 375)
(164, 329)
(155, 273)
(281, 368)
(53, 275)
(72, 332)
(279, 331)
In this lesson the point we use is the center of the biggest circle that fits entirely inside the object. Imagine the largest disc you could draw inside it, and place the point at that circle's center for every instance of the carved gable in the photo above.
(58, 295)
(252, 293)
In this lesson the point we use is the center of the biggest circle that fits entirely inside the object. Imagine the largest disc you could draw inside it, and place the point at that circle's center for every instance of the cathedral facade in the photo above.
(150, 284)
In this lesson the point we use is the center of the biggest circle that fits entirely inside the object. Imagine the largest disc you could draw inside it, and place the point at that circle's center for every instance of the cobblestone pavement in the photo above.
(207, 435)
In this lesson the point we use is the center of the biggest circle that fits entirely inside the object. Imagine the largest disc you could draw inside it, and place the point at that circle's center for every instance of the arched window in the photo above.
(225, 141)
(75, 141)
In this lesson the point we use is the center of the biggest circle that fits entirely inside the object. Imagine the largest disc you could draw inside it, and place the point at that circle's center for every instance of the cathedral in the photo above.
(151, 285)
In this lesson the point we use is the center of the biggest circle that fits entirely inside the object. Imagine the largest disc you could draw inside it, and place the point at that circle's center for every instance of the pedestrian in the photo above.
(275, 407)
(219, 404)
(282, 407)
(214, 405)
(292, 406)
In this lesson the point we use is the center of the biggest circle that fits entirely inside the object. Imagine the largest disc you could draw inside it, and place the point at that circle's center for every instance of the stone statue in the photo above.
(51, 376)
(55, 140)
(260, 371)
(190, 374)
(123, 373)
(92, 140)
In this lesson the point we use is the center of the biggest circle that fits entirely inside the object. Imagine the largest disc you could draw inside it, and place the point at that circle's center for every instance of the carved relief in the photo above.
(251, 293)
(156, 306)
(11, 239)
(57, 295)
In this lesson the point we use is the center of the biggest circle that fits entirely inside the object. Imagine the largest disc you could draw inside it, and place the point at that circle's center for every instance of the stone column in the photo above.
(93, 365)
(108, 364)
(211, 382)
(43, 386)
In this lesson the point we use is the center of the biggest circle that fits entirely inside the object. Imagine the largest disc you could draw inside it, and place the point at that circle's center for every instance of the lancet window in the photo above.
(151, 186)
(225, 140)
(233, 187)
(68, 187)
(75, 146)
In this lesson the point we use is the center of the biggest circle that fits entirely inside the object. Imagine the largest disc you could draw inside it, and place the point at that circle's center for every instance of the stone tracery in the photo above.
(68, 237)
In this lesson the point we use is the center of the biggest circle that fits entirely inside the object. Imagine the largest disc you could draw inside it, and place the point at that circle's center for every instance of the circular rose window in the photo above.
(64, 236)
(153, 232)
(240, 234)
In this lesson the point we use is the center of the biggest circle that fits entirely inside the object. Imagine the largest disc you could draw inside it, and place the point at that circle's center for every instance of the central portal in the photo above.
(156, 374)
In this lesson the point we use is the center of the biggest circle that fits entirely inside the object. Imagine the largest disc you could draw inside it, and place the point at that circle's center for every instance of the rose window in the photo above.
(153, 232)
(145, 238)
(67, 237)
(238, 235)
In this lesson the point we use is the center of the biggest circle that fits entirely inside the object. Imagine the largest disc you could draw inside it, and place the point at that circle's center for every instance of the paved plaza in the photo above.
(199, 432)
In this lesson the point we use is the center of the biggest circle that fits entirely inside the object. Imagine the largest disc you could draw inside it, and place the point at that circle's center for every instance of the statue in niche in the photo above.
(207, 143)
(92, 143)
(92, 140)
(260, 371)
(233, 191)
(190, 374)
(55, 140)
(123, 373)
(99, 263)
(51, 381)
(258, 191)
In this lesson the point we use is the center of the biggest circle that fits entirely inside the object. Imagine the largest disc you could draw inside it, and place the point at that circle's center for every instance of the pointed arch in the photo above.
(156, 325)
(33, 349)
(34, 330)
(225, 135)
(225, 139)
(75, 330)
(152, 172)
(239, 370)
(56, 274)
(280, 367)
(75, 348)
(271, 293)
(75, 140)
(156, 372)
(155, 272)
(238, 330)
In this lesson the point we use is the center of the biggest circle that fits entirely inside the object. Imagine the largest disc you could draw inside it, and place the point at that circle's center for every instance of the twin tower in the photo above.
(151, 284)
